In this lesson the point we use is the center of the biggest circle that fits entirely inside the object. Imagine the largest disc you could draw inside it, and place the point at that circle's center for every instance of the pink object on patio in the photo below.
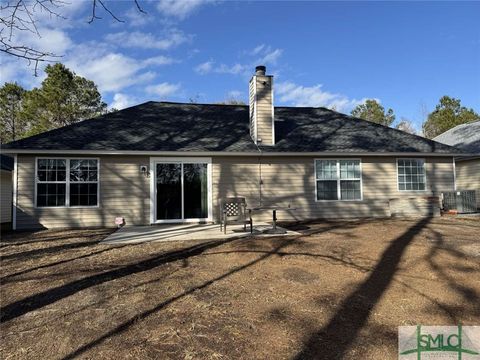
(119, 221)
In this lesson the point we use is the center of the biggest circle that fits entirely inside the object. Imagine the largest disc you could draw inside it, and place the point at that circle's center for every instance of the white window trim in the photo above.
(66, 182)
(338, 180)
(424, 174)
(153, 188)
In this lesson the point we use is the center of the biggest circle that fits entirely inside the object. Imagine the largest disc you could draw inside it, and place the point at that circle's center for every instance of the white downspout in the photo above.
(14, 200)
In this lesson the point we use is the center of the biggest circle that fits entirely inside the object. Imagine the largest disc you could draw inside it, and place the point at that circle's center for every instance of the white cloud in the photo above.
(109, 70)
(159, 60)
(122, 101)
(210, 67)
(112, 70)
(49, 40)
(235, 69)
(258, 49)
(53, 41)
(137, 39)
(204, 68)
(270, 57)
(266, 55)
(164, 89)
(9, 72)
(180, 8)
(314, 96)
(136, 18)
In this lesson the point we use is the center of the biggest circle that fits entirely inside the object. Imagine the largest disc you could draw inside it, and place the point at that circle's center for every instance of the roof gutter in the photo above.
(224, 153)
(468, 157)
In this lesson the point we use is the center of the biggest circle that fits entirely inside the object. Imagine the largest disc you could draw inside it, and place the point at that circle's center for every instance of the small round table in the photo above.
(274, 229)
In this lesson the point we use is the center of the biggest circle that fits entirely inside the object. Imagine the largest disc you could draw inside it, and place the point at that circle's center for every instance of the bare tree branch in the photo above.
(139, 8)
(20, 15)
(94, 16)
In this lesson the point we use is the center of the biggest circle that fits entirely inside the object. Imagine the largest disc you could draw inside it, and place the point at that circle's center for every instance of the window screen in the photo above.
(67, 182)
(411, 174)
(83, 182)
(338, 179)
(51, 182)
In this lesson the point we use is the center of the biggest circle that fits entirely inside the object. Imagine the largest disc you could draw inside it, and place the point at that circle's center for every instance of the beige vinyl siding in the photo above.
(290, 181)
(5, 196)
(468, 176)
(124, 191)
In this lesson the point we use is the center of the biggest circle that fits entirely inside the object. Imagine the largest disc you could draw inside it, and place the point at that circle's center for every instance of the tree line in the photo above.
(65, 98)
(447, 114)
(62, 99)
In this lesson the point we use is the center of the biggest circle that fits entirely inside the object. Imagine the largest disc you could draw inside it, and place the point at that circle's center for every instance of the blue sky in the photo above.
(334, 54)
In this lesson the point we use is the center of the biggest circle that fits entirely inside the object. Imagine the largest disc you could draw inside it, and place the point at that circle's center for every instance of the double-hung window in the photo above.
(67, 182)
(338, 179)
(51, 182)
(411, 174)
(83, 182)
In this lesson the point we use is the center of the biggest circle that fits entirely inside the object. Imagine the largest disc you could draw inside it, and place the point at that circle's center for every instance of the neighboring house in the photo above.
(467, 169)
(161, 162)
(6, 164)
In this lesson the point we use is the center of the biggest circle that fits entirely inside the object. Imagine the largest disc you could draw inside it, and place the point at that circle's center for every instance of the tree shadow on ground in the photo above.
(334, 339)
(8, 278)
(46, 251)
(468, 294)
(37, 301)
(281, 243)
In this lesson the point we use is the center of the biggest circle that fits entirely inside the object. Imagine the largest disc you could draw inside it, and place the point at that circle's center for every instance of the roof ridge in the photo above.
(191, 103)
(217, 104)
(461, 125)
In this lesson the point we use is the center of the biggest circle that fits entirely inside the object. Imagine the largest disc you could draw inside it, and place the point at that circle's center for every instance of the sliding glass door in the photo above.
(181, 191)
(195, 197)
(169, 191)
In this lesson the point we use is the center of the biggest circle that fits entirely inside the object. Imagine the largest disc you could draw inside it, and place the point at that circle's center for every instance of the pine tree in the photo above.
(12, 124)
(63, 99)
(372, 111)
(447, 114)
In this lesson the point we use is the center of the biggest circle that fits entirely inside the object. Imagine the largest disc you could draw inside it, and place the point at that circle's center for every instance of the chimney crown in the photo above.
(260, 70)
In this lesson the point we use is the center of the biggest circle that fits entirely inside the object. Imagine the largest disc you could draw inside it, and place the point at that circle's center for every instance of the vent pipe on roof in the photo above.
(262, 125)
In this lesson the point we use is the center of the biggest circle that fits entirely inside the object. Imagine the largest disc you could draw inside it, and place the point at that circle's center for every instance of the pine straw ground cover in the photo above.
(340, 290)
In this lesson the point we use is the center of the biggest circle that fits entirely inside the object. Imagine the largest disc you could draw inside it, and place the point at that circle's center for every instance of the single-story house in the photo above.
(6, 168)
(161, 162)
(467, 168)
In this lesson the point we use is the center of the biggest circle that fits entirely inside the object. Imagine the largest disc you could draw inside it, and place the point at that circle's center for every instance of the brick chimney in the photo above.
(262, 129)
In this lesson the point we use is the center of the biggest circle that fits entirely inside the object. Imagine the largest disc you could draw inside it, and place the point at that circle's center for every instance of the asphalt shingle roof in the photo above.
(162, 126)
(465, 137)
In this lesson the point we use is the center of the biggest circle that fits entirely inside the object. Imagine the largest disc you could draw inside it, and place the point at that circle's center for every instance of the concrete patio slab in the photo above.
(184, 232)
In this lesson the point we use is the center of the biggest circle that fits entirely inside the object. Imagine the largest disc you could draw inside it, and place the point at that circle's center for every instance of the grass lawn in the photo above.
(339, 290)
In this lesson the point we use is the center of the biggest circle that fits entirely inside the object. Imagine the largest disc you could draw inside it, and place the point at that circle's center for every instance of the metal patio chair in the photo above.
(234, 209)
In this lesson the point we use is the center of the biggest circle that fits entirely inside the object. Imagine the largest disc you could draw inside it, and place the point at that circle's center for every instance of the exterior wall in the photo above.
(261, 93)
(124, 191)
(5, 196)
(290, 181)
(468, 176)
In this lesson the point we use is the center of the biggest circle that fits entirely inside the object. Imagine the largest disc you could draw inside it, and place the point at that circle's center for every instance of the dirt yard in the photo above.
(340, 290)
